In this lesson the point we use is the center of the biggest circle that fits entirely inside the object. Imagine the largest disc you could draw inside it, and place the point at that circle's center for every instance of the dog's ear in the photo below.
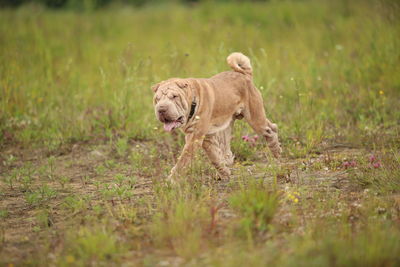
(182, 84)
(155, 87)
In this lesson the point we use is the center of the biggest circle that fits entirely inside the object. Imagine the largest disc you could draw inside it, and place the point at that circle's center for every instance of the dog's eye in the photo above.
(175, 97)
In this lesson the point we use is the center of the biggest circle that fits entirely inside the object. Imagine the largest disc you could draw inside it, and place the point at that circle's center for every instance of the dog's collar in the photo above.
(192, 108)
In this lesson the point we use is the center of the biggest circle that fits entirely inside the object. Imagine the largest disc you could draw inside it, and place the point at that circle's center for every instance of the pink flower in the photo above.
(372, 158)
(251, 140)
(377, 165)
(348, 164)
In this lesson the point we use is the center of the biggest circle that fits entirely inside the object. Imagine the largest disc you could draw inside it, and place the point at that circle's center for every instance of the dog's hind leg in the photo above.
(224, 138)
(212, 147)
(254, 114)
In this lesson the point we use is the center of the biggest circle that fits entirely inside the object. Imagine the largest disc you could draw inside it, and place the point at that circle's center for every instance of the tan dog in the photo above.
(205, 110)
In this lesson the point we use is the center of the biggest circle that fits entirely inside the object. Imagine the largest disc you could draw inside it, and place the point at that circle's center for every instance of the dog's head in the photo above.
(171, 103)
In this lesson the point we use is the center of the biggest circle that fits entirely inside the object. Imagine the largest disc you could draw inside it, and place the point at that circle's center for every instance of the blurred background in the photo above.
(82, 70)
(95, 4)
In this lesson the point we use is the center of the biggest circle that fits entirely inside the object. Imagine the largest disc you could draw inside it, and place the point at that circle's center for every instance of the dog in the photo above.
(205, 110)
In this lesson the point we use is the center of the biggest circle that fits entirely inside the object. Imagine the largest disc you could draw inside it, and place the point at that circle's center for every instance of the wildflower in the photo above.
(250, 140)
(348, 164)
(372, 158)
(155, 128)
(294, 197)
(377, 165)
(381, 92)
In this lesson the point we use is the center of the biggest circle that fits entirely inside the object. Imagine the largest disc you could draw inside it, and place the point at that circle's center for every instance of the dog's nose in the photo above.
(162, 110)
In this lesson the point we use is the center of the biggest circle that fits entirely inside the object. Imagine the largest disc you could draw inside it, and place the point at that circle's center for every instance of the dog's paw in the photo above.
(172, 177)
(223, 174)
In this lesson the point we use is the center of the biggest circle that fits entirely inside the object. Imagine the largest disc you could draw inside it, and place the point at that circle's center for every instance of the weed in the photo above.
(51, 163)
(76, 204)
(372, 246)
(380, 174)
(111, 191)
(63, 180)
(85, 179)
(120, 179)
(11, 179)
(40, 196)
(44, 219)
(90, 246)
(100, 169)
(26, 182)
(137, 159)
(121, 146)
(256, 205)
(181, 220)
(97, 184)
(9, 160)
(32, 198)
(110, 164)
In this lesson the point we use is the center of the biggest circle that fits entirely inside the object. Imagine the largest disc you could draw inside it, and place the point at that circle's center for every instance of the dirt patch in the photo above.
(88, 170)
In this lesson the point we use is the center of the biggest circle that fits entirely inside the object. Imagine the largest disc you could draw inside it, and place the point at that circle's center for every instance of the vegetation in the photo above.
(83, 158)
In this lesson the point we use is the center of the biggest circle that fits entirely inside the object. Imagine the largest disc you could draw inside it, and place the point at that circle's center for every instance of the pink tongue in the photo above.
(169, 126)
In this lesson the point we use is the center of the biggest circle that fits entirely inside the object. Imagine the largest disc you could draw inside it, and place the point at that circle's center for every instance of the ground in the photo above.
(60, 202)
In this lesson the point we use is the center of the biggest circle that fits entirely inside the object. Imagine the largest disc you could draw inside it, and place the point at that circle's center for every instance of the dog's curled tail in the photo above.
(240, 63)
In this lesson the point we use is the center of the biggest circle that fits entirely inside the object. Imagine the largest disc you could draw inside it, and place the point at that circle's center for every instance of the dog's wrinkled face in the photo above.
(170, 105)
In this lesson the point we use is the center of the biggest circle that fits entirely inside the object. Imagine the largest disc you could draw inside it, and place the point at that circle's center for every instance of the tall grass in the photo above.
(327, 70)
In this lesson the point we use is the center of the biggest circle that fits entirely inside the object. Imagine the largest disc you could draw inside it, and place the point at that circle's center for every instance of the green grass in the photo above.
(320, 71)
(257, 207)
(83, 159)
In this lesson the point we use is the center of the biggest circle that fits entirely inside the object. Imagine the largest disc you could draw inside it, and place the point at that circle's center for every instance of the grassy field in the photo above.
(83, 158)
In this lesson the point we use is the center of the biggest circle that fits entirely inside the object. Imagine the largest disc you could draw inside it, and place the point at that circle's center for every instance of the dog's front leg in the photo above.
(192, 144)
